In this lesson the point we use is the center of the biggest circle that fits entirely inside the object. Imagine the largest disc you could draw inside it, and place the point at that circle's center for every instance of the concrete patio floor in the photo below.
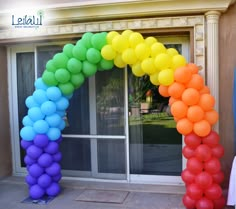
(13, 191)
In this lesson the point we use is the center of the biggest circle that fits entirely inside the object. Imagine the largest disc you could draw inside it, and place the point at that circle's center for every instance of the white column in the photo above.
(212, 71)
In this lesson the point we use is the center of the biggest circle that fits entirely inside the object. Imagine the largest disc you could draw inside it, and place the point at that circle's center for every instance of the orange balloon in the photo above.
(179, 109)
(163, 90)
(176, 90)
(195, 113)
(190, 96)
(206, 102)
(205, 90)
(172, 100)
(211, 116)
(184, 126)
(182, 74)
(193, 68)
(202, 128)
(195, 82)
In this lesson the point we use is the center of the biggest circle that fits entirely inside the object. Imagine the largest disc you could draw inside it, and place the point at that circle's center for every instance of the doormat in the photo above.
(103, 196)
(42, 201)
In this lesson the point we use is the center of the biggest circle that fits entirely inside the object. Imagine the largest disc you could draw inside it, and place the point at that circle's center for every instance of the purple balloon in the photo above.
(45, 160)
(53, 189)
(59, 140)
(57, 157)
(35, 170)
(57, 178)
(30, 180)
(52, 148)
(41, 140)
(44, 181)
(36, 192)
(25, 144)
(34, 151)
(53, 169)
(28, 160)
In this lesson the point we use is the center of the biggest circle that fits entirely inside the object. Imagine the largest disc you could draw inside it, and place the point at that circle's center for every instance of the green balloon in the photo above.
(86, 39)
(49, 78)
(67, 50)
(79, 52)
(77, 80)
(50, 66)
(60, 60)
(106, 64)
(98, 41)
(74, 65)
(89, 69)
(62, 75)
(93, 55)
(66, 88)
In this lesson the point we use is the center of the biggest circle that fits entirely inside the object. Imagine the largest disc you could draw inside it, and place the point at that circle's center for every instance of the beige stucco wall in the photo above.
(5, 142)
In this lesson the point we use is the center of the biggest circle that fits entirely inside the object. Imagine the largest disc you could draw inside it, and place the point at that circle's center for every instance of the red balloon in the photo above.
(194, 191)
(203, 152)
(218, 178)
(204, 203)
(218, 151)
(213, 192)
(192, 140)
(188, 152)
(212, 166)
(203, 180)
(187, 176)
(212, 139)
(188, 202)
(194, 165)
(219, 203)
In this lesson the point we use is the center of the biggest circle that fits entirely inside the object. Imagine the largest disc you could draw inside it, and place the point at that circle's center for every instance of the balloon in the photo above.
(53, 93)
(188, 152)
(212, 139)
(219, 203)
(27, 121)
(53, 120)
(129, 56)
(48, 108)
(49, 78)
(98, 40)
(74, 66)
(93, 55)
(204, 90)
(157, 48)
(89, 69)
(66, 88)
(193, 68)
(50, 67)
(53, 169)
(110, 36)
(127, 33)
(52, 148)
(163, 90)
(204, 180)
(202, 128)
(194, 165)
(195, 113)
(25, 144)
(120, 43)
(150, 40)
(204, 203)
(206, 102)
(213, 192)
(60, 60)
(182, 75)
(62, 103)
(44, 180)
(53, 189)
(172, 100)
(135, 38)
(40, 96)
(30, 180)
(45, 160)
(176, 90)
(41, 140)
(118, 61)
(108, 52)
(41, 127)
(187, 176)
(192, 140)
(154, 78)
(217, 151)
(35, 170)
(218, 177)
(77, 80)
(86, 39)
(79, 52)
(194, 191)
(142, 51)
(53, 133)
(27, 133)
(39, 84)
(36, 192)
(190, 96)
(34, 152)
(179, 109)
(163, 61)
(212, 166)
(172, 52)
(68, 50)
(211, 116)
(57, 178)
(195, 82)
(62, 75)
(28, 160)
(148, 66)
(184, 126)
(30, 102)
(178, 61)
(106, 64)
(189, 202)
(62, 125)
(166, 77)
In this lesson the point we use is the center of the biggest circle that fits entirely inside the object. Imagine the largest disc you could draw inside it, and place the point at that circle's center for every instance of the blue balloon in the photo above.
(35, 170)
(27, 121)
(41, 127)
(34, 152)
(28, 160)
(53, 93)
(27, 133)
(53, 120)
(53, 133)
(62, 125)
(53, 189)
(57, 157)
(62, 113)
(41, 140)
(48, 108)
(44, 180)
(30, 102)
(57, 178)
(45, 160)
(25, 144)
(39, 84)
(30, 180)
(54, 169)
(40, 96)
(35, 114)
(62, 103)
(52, 148)
(36, 192)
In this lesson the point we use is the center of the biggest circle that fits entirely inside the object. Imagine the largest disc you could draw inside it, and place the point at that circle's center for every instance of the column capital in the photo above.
(212, 16)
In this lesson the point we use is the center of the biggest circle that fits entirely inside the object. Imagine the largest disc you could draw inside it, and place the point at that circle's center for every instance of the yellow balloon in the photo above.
(135, 39)
(178, 61)
(157, 48)
(150, 41)
(120, 43)
(129, 56)
(127, 33)
(166, 77)
(172, 52)
(154, 78)
(163, 61)
(148, 66)
(142, 51)
(110, 36)
(137, 70)
(108, 52)
(118, 61)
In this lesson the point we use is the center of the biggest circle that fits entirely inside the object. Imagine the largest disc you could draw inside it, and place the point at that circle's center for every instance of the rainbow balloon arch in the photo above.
(191, 103)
